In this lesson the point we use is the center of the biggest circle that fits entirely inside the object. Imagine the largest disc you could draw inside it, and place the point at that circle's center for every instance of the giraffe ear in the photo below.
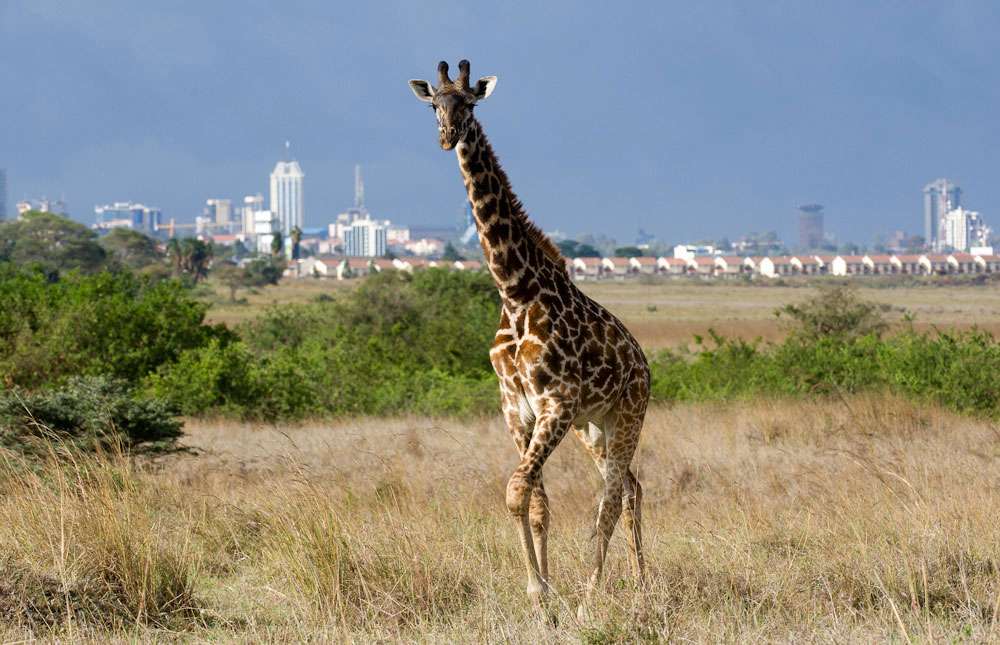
(484, 87)
(422, 89)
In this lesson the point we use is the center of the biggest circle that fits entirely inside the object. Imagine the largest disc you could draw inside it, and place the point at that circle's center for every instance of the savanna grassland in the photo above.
(833, 513)
(860, 520)
(667, 312)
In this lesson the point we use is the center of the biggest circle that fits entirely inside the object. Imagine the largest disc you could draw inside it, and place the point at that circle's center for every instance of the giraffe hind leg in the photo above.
(632, 514)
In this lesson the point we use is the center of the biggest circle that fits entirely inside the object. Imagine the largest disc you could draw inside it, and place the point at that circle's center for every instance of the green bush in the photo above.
(109, 323)
(955, 368)
(396, 344)
(88, 411)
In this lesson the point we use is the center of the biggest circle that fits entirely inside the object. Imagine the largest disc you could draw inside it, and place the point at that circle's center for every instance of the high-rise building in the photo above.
(961, 230)
(219, 211)
(126, 214)
(940, 196)
(365, 238)
(3, 192)
(288, 195)
(251, 204)
(810, 225)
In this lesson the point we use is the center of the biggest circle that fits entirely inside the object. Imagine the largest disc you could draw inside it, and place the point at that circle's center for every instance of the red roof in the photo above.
(880, 258)
(909, 259)
(590, 261)
(644, 260)
(852, 258)
(703, 260)
(937, 257)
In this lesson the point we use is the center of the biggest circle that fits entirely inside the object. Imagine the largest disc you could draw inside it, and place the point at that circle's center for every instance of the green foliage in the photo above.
(115, 324)
(55, 243)
(86, 412)
(396, 344)
(836, 311)
(232, 276)
(955, 368)
(130, 249)
(263, 271)
(628, 252)
(451, 254)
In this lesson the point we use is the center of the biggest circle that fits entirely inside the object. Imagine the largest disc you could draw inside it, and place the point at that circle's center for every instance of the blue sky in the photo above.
(693, 120)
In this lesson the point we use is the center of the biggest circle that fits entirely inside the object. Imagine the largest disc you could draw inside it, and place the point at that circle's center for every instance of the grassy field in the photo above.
(866, 519)
(666, 313)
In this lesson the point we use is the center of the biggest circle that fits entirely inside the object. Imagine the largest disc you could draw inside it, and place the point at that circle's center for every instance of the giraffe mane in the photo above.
(518, 214)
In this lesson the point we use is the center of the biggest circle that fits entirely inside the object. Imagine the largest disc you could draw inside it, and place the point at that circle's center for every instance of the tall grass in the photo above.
(857, 519)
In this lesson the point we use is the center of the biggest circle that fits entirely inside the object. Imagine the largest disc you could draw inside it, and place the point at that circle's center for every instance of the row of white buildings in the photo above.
(784, 266)
(595, 268)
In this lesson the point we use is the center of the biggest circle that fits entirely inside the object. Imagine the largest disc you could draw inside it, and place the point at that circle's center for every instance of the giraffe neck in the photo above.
(515, 249)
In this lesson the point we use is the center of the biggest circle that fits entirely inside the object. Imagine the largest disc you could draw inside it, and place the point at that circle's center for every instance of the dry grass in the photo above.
(667, 313)
(868, 519)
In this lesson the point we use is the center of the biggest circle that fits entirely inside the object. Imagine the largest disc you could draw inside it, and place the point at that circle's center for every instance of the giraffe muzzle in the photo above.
(449, 137)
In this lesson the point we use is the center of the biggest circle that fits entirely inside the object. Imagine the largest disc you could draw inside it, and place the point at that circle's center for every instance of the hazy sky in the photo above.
(691, 119)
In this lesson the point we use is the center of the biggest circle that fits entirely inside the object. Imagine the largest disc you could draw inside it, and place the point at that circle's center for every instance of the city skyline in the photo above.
(742, 113)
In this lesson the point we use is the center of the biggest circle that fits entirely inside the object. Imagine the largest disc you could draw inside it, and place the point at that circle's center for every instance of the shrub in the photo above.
(86, 413)
(398, 343)
(115, 324)
(836, 311)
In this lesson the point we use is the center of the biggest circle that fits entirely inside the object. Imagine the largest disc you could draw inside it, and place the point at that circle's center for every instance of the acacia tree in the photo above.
(233, 277)
(55, 242)
(131, 249)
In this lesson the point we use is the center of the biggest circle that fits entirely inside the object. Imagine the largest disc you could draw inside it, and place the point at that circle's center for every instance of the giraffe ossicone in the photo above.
(563, 360)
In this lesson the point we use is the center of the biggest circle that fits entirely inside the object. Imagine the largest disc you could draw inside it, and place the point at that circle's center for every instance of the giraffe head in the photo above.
(453, 101)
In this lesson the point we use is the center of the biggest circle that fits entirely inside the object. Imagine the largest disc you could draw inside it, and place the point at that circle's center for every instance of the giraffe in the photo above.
(562, 359)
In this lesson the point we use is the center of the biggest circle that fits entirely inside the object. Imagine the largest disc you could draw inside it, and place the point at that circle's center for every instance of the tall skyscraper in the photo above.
(3, 192)
(940, 196)
(288, 195)
(810, 225)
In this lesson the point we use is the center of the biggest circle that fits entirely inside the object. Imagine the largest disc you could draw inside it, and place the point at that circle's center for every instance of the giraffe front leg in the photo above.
(519, 493)
(538, 519)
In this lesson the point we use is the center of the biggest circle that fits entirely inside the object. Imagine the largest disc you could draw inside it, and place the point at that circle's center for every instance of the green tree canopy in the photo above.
(131, 249)
(628, 252)
(54, 242)
(451, 254)
(232, 276)
(263, 271)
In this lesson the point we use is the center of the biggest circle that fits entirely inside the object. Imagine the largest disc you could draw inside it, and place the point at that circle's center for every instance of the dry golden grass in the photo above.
(667, 313)
(868, 519)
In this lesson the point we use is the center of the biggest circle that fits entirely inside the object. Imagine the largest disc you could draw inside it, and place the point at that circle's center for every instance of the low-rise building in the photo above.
(588, 268)
(879, 264)
(644, 265)
(672, 266)
(906, 264)
(616, 267)
(776, 267)
(844, 265)
(805, 264)
(729, 266)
